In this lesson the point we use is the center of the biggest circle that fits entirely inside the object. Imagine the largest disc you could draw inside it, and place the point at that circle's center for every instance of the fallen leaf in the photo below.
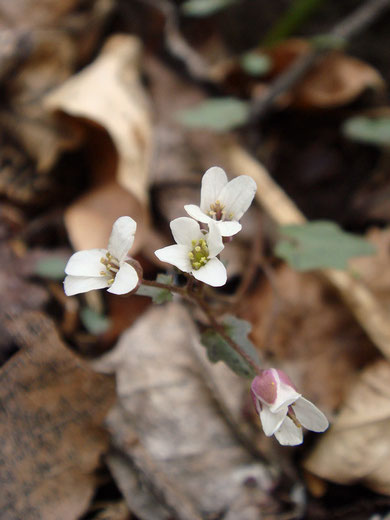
(300, 322)
(109, 93)
(338, 79)
(357, 447)
(167, 418)
(335, 80)
(52, 405)
(52, 41)
(374, 271)
(109, 99)
(19, 295)
(90, 218)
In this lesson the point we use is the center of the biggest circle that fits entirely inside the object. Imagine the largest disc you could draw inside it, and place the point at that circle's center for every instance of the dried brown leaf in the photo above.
(301, 322)
(357, 447)
(109, 98)
(90, 218)
(52, 406)
(338, 79)
(51, 42)
(335, 80)
(109, 93)
(167, 418)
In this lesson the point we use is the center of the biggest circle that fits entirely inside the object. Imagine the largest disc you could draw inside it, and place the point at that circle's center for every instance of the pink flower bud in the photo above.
(282, 410)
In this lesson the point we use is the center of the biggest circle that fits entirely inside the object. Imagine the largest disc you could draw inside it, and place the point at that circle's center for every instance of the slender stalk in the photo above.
(197, 298)
(221, 331)
(173, 288)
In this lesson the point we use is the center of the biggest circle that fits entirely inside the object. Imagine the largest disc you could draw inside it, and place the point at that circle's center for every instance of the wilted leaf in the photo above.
(357, 447)
(368, 130)
(94, 322)
(320, 245)
(109, 95)
(219, 350)
(158, 295)
(52, 406)
(167, 420)
(256, 64)
(204, 7)
(338, 79)
(221, 114)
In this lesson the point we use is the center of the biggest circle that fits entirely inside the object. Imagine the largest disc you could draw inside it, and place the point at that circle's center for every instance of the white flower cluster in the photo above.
(222, 204)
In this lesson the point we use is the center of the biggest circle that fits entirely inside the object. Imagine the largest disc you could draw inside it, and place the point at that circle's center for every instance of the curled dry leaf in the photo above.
(167, 418)
(357, 447)
(52, 406)
(300, 321)
(108, 94)
(335, 80)
(338, 79)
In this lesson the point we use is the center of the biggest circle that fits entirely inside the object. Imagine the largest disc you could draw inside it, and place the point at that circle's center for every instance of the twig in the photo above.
(361, 301)
(354, 23)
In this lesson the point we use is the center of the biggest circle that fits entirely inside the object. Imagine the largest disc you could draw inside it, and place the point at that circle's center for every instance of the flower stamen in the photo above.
(199, 255)
(293, 417)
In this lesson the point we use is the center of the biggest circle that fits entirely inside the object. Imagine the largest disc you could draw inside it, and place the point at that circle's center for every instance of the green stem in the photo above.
(197, 298)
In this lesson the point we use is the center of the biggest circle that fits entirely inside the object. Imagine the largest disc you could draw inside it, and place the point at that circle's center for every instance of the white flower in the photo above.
(100, 268)
(282, 410)
(195, 251)
(222, 201)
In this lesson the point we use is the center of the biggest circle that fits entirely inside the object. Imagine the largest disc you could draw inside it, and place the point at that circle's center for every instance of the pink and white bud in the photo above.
(282, 410)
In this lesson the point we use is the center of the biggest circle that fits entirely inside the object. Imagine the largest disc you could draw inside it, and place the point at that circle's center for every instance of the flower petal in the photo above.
(122, 237)
(196, 213)
(237, 196)
(289, 434)
(212, 183)
(214, 239)
(126, 280)
(86, 263)
(228, 228)
(213, 273)
(271, 421)
(310, 416)
(285, 395)
(176, 255)
(184, 230)
(80, 284)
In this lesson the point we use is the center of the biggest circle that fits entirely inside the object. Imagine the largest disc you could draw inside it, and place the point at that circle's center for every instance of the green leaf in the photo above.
(219, 350)
(219, 114)
(368, 130)
(205, 7)
(256, 64)
(52, 267)
(320, 245)
(158, 295)
(94, 322)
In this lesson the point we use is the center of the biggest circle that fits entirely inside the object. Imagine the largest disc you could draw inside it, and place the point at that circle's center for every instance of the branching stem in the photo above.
(188, 292)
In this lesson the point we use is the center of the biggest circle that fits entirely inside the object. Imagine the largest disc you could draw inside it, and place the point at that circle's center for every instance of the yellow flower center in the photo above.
(199, 255)
(111, 265)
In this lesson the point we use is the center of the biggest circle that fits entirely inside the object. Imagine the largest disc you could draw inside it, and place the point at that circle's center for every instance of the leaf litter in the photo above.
(182, 440)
